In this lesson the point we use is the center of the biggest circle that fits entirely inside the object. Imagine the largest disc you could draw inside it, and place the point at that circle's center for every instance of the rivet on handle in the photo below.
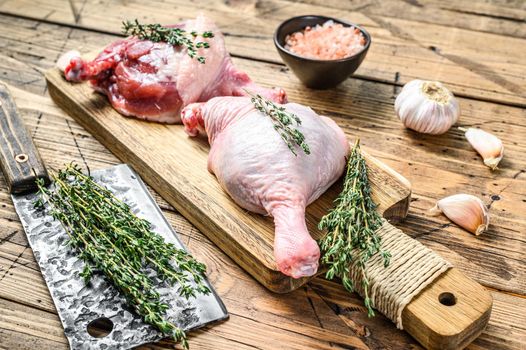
(21, 158)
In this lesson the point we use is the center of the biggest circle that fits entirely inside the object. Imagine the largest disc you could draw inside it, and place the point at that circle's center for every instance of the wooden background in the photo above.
(476, 48)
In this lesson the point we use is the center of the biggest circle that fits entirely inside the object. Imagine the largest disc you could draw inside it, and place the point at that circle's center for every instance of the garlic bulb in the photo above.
(465, 210)
(427, 107)
(487, 145)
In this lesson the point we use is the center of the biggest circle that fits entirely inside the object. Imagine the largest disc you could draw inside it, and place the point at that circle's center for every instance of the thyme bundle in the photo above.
(174, 36)
(113, 240)
(283, 122)
(351, 228)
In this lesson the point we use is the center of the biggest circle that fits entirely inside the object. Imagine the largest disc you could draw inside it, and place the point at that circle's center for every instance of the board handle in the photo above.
(19, 159)
(449, 313)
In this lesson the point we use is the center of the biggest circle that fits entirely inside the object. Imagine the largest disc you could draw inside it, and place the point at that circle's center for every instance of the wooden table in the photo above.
(476, 48)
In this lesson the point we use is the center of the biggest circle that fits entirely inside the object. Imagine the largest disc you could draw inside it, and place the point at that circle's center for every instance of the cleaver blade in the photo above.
(81, 306)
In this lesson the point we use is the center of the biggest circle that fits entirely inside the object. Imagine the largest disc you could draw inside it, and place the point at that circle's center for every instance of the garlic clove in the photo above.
(465, 210)
(487, 145)
(427, 107)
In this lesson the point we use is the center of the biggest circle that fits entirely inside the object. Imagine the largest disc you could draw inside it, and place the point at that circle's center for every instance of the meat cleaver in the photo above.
(94, 316)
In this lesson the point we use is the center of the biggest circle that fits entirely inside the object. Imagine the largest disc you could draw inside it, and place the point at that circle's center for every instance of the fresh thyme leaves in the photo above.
(113, 240)
(174, 36)
(283, 122)
(351, 228)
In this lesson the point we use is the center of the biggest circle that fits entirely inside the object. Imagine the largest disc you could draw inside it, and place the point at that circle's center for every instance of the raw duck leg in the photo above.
(256, 168)
(154, 81)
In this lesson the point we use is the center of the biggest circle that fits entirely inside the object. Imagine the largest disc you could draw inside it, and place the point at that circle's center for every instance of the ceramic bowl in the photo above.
(314, 73)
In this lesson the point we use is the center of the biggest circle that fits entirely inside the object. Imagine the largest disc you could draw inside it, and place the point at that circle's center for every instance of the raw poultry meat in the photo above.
(257, 169)
(155, 80)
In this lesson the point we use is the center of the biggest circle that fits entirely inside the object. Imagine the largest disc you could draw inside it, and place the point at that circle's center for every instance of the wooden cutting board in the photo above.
(176, 167)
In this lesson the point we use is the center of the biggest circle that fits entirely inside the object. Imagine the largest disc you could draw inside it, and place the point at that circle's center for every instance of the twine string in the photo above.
(413, 267)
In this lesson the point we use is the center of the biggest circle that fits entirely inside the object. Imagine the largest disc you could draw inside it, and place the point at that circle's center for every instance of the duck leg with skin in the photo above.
(155, 80)
(261, 174)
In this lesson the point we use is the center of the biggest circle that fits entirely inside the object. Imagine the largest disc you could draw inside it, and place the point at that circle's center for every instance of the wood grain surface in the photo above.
(450, 313)
(321, 314)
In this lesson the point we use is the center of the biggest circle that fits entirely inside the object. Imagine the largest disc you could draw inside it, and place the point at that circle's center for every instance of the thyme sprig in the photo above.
(351, 229)
(283, 122)
(111, 239)
(174, 36)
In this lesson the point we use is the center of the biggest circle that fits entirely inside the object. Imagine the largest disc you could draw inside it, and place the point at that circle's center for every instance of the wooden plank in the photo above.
(436, 166)
(23, 327)
(504, 18)
(402, 49)
(514, 10)
(370, 114)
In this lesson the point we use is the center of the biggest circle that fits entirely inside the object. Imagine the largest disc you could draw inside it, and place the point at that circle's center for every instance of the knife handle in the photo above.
(19, 158)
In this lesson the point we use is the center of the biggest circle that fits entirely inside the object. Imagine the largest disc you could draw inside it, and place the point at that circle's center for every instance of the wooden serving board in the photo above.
(176, 167)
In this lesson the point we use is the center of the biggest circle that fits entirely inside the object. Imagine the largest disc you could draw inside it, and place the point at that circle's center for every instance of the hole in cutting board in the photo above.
(100, 327)
(447, 299)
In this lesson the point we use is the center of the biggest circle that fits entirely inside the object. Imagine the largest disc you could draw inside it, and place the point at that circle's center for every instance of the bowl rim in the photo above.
(326, 18)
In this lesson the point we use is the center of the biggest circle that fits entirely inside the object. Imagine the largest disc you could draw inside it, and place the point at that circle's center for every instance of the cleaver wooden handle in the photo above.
(19, 158)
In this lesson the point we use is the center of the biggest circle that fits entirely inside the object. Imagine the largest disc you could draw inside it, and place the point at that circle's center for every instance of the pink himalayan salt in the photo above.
(330, 41)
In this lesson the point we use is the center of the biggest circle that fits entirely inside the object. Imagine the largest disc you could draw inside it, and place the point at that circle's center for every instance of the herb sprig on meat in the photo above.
(283, 122)
(174, 36)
